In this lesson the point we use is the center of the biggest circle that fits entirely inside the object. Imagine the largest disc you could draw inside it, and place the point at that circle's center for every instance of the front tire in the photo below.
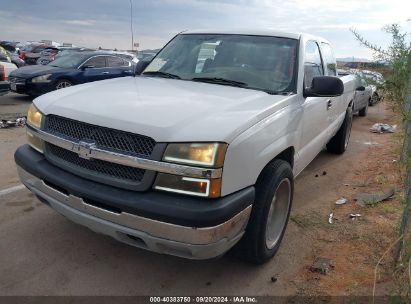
(270, 213)
(63, 83)
(339, 143)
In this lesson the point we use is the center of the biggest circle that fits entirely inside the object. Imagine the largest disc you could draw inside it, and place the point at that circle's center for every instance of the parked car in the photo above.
(188, 161)
(72, 69)
(4, 85)
(4, 55)
(8, 67)
(30, 53)
(47, 55)
(9, 46)
(9, 53)
(376, 81)
(363, 95)
(367, 94)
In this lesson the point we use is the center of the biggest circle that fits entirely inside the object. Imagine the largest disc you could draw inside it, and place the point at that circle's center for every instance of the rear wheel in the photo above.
(338, 144)
(270, 213)
(63, 83)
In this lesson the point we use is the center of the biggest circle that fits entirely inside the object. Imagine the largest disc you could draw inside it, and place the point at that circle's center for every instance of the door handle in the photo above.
(329, 104)
(105, 73)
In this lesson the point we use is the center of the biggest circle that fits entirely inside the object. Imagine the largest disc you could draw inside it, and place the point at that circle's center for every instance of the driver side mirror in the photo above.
(360, 88)
(325, 86)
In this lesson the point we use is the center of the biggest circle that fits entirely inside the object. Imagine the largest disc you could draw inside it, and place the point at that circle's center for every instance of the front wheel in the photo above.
(339, 143)
(270, 213)
(63, 83)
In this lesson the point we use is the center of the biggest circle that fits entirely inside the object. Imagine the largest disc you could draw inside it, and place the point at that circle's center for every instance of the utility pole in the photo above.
(131, 25)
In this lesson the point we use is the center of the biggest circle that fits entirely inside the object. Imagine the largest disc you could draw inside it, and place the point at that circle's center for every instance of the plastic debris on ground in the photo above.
(322, 265)
(383, 128)
(341, 201)
(330, 218)
(368, 199)
(354, 216)
(18, 122)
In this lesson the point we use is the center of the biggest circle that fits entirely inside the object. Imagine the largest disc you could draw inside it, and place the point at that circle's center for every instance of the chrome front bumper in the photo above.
(161, 237)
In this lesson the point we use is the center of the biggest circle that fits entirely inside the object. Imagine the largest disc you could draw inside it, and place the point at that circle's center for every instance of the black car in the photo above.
(72, 69)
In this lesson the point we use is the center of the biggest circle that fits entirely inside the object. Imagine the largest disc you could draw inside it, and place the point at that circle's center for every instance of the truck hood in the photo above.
(167, 110)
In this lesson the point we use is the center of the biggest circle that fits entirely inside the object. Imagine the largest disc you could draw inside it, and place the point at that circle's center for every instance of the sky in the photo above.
(106, 23)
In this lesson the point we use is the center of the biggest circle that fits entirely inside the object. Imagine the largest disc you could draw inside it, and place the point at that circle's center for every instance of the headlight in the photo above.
(41, 79)
(200, 154)
(34, 116)
(195, 154)
(210, 188)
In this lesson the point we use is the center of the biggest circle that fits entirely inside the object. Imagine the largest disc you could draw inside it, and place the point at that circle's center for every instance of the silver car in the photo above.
(363, 95)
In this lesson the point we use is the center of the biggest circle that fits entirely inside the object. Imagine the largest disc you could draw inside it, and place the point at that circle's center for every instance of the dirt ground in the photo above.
(42, 253)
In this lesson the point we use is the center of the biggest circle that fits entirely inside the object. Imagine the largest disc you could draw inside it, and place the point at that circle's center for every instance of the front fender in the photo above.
(253, 149)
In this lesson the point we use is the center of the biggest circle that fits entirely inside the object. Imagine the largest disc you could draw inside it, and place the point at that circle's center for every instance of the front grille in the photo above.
(104, 138)
(106, 172)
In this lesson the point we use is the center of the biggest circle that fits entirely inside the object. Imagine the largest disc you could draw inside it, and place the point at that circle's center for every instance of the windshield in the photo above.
(69, 61)
(253, 62)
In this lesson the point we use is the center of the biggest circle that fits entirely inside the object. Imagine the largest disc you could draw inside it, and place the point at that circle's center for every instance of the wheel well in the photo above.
(287, 155)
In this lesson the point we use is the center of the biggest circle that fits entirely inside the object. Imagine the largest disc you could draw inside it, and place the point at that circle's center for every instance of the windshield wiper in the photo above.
(223, 81)
(162, 74)
(272, 92)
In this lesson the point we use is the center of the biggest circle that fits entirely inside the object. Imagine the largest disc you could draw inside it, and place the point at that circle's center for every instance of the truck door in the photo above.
(336, 105)
(315, 109)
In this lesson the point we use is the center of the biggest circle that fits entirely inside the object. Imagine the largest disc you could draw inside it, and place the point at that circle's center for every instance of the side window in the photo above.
(329, 60)
(312, 65)
(115, 62)
(97, 62)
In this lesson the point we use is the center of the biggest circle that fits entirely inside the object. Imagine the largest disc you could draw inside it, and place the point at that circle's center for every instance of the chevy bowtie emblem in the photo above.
(84, 149)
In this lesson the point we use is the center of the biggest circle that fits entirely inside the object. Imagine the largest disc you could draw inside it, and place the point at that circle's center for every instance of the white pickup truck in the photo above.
(199, 153)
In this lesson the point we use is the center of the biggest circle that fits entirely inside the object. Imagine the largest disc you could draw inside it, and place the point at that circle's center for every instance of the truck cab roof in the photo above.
(257, 32)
